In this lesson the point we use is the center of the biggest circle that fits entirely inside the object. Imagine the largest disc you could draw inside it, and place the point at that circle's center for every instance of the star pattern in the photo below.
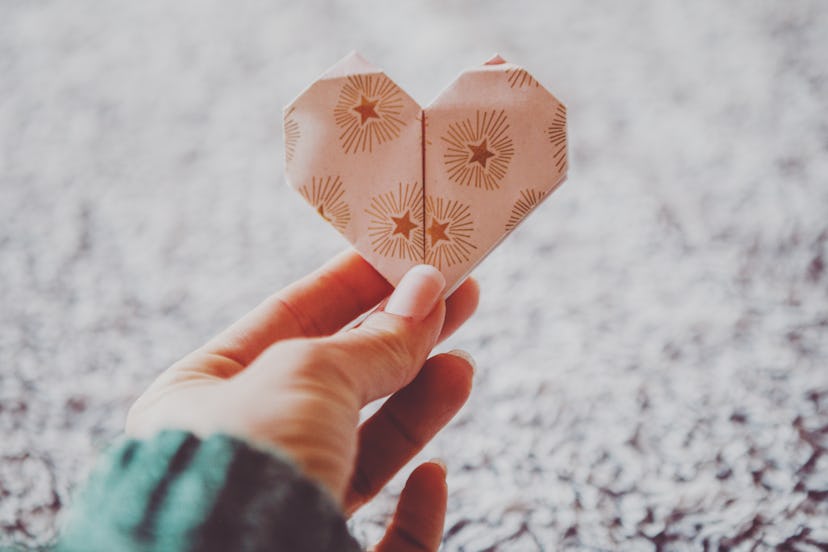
(556, 134)
(327, 196)
(450, 231)
(437, 231)
(367, 112)
(366, 109)
(480, 154)
(292, 135)
(395, 226)
(404, 225)
(474, 195)
(321, 211)
(528, 200)
(478, 150)
(520, 77)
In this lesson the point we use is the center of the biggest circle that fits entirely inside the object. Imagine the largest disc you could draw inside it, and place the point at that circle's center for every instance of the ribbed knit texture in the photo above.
(176, 492)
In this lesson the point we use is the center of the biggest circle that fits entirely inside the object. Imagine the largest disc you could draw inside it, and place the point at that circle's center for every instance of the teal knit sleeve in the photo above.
(176, 492)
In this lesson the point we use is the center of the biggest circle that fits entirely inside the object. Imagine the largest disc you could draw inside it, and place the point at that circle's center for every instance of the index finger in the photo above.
(319, 304)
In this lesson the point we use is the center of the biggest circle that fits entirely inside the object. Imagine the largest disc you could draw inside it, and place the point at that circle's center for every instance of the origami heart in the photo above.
(441, 185)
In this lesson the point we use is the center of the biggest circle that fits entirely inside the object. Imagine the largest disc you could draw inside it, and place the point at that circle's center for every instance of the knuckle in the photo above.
(412, 539)
(313, 363)
(343, 293)
(307, 325)
(301, 357)
(415, 440)
(363, 487)
(389, 345)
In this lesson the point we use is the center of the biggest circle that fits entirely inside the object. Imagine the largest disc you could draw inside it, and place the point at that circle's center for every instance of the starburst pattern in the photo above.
(325, 195)
(528, 200)
(519, 77)
(292, 134)
(556, 133)
(449, 229)
(368, 112)
(479, 150)
(396, 222)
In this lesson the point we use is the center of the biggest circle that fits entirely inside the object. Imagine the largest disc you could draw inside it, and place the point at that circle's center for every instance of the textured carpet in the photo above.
(652, 343)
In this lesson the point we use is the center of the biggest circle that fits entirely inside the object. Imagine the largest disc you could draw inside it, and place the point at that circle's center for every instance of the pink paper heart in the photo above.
(441, 185)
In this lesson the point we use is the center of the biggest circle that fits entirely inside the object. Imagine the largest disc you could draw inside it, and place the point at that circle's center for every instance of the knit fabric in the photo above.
(176, 492)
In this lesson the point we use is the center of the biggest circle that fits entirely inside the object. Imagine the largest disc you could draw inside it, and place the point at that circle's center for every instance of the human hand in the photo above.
(285, 375)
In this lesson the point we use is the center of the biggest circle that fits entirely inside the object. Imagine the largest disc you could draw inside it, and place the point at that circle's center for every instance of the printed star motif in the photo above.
(370, 111)
(437, 231)
(366, 109)
(480, 153)
(321, 211)
(403, 225)
(327, 195)
(478, 149)
(395, 225)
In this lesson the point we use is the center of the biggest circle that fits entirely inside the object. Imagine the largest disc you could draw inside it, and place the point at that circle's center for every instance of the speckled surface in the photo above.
(652, 343)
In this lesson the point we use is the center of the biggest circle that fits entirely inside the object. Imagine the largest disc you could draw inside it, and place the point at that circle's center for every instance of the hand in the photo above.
(285, 375)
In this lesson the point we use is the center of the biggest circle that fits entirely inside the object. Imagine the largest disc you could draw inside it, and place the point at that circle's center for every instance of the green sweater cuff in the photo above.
(176, 492)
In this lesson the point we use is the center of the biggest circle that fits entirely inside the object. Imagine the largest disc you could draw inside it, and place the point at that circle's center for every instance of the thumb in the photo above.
(418, 522)
(386, 351)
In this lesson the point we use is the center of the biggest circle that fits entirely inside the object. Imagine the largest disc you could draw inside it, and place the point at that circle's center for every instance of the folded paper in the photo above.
(441, 185)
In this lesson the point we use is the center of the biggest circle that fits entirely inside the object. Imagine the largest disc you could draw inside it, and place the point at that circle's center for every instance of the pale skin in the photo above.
(287, 374)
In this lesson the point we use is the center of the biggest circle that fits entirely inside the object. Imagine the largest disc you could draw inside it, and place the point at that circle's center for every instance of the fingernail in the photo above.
(417, 293)
(465, 356)
(440, 463)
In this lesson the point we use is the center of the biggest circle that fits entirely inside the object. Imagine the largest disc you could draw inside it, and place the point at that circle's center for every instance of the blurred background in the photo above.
(652, 342)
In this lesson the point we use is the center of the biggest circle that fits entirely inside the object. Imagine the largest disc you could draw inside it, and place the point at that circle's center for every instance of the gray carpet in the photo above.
(652, 343)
